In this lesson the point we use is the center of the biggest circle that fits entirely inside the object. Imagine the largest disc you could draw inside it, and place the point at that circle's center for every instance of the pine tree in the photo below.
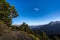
(22, 26)
(43, 36)
(26, 28)
(7, 12)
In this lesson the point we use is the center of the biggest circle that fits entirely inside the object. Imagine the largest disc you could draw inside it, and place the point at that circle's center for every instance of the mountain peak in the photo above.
(54, 22)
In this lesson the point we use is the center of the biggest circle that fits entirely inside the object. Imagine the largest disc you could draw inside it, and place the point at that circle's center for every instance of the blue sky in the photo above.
(36, 12)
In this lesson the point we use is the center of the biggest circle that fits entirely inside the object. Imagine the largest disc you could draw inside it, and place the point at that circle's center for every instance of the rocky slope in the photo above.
(15, 35)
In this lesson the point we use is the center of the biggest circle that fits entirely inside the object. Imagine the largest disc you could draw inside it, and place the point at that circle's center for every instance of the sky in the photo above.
(36, 12)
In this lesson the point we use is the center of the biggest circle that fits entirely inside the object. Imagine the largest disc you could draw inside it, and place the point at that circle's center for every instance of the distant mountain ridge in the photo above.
(53, 23)
(50, 28)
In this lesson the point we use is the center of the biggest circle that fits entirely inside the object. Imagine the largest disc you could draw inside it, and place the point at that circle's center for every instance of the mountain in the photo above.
(50, 28)
(38, 26)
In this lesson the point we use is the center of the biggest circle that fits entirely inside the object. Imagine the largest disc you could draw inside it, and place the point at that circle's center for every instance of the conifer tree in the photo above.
(43, 36)
(7, 12)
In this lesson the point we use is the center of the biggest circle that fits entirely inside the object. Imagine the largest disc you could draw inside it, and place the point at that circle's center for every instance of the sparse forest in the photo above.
(23, 32)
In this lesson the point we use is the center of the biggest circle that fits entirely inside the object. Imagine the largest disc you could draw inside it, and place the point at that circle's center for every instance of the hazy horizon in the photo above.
(36, 12)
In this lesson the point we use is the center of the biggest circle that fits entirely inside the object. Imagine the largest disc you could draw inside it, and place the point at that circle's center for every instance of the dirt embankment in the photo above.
(15, 35)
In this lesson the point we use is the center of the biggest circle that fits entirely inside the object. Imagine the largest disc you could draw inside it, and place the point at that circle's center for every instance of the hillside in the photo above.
(23, 31)
(15, 35)
(51, 28)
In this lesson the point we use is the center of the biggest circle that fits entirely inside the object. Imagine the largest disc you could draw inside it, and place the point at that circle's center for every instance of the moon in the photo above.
(36, 9)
